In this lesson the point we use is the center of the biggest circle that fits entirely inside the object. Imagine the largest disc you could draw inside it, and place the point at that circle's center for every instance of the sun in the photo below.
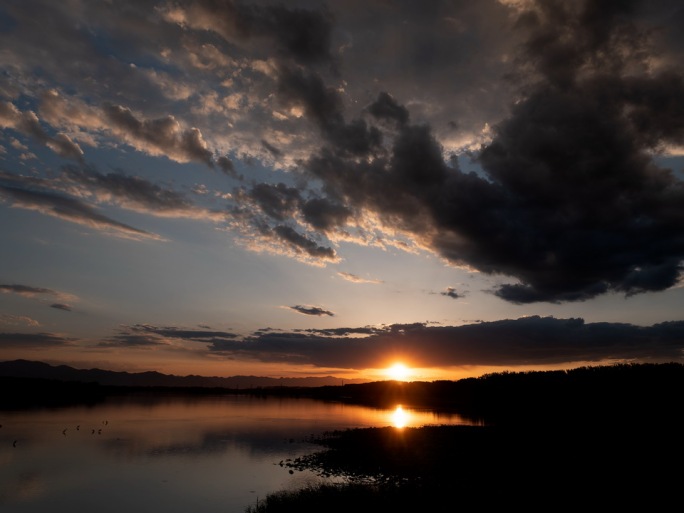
(399, 371)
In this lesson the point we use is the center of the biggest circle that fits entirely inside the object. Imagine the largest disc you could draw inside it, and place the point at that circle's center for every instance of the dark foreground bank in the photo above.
(613, 441)
(444, 468)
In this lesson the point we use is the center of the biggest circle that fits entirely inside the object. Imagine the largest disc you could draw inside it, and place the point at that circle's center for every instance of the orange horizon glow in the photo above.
(398, 371)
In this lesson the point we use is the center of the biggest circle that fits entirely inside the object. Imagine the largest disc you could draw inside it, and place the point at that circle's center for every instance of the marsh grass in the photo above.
(347, 498)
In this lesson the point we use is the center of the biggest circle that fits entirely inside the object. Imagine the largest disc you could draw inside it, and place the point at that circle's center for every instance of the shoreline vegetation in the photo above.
(605, 436)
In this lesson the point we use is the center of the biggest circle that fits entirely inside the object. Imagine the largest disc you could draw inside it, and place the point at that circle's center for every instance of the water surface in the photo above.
(174, 455)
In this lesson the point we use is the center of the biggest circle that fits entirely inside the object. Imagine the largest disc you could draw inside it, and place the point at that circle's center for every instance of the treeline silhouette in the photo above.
(598, 391)
(642, 393)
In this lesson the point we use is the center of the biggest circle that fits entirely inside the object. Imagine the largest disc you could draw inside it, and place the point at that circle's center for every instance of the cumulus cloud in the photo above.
(591, 206)
(311, 310)
(569, 200)
(512, 342)
(28, 124)
(161, 136)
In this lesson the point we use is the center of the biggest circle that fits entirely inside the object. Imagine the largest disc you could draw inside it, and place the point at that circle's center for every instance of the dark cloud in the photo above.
(300, 243)
(324, 106)
(343, 332)
(73, 194)
(271, 149)
(68, 209)
(299, 33)
(32, 292)
(159, 136)
(272, 211)
(25, 290)
(276, 201)
(275, 210)
(324, 215)
(400, 187)
(593, 212)
(295, 33)
(226, 165)
(144, 335)
(386, 108)
(132, 188)
(569, 199)
(312, 310)
(61, 306)
(33, 340)
(203, 335)
(133, 340)
(522, 342)
(452, 293)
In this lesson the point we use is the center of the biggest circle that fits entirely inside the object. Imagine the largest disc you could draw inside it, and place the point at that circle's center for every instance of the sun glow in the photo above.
(400, 417)
(399, 371)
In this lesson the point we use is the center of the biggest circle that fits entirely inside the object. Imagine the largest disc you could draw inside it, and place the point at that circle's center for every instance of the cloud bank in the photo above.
(520, 342)
(510, 343)
(522, 140)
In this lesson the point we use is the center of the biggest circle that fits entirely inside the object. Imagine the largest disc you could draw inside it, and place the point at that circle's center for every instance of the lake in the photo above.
(171, 454)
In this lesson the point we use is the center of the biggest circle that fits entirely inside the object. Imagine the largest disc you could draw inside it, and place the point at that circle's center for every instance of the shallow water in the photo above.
(171, 455)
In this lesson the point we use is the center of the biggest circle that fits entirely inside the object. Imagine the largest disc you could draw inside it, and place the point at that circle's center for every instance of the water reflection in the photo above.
(172, 455)
(400, 417)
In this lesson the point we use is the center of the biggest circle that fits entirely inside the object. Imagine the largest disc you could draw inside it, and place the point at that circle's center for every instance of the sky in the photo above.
(313, 188)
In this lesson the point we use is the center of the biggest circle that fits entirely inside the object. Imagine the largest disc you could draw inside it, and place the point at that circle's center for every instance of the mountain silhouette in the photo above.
(41, 370)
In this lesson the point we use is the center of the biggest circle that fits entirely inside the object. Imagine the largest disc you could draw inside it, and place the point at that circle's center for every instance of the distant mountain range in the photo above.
(33, 369)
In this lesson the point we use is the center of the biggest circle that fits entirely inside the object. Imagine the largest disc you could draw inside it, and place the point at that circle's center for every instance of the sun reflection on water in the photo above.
(400, 417)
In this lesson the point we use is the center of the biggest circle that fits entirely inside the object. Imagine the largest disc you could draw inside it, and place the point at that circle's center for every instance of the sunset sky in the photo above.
(309, 188)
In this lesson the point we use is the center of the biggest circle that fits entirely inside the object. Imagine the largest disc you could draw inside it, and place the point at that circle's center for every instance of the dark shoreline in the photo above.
(602, 392)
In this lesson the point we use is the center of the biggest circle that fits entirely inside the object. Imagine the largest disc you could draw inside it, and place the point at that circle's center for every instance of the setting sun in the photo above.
(399, 371)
